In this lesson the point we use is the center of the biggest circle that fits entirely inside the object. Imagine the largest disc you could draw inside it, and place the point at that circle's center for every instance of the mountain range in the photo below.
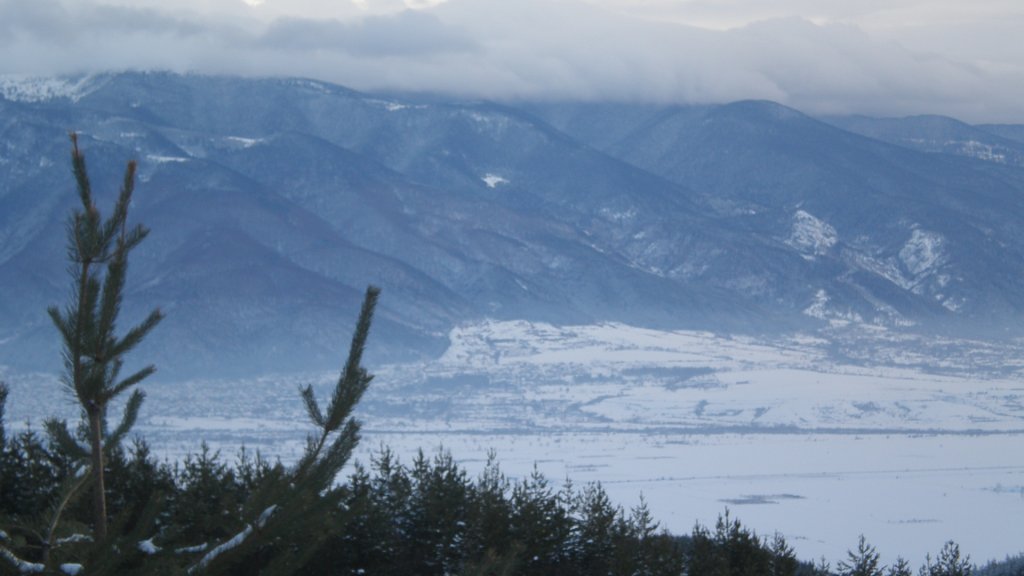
(274, 202)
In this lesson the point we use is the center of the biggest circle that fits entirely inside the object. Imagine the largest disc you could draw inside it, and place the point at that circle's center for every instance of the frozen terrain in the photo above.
(911, 441)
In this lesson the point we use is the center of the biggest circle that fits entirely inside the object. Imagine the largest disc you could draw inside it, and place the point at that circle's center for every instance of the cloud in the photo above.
(832, 58)
(410, 34)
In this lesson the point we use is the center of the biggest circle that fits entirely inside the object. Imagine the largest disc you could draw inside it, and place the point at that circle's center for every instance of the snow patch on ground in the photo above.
(245, 142)
(392, 106)
(22, 566)
(159, 159)
(148, 547)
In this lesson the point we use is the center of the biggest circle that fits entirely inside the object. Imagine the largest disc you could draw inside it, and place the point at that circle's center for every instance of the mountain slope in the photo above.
(910, 232)
(938, 134)
(274, 202)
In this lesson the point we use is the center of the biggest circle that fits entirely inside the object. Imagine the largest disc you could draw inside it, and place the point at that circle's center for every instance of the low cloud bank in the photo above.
(531, 49)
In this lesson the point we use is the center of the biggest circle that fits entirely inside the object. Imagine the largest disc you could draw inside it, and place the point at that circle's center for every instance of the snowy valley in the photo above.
(911, 441)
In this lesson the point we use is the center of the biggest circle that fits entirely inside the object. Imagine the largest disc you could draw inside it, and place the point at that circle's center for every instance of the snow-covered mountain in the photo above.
(273, 202)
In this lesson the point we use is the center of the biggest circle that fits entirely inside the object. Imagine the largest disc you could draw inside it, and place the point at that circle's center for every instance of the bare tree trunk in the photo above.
(99, 498)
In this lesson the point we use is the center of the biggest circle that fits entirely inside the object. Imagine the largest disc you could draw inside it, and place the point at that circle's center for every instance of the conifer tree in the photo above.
(540, 523)
(654, 550)
(731, 550)
(783, 557)
(491, 511)
(900, 568)
(948, 563)
(392, 495)
(439, 512)
(93, 353)
(598, 525)
(863, 562)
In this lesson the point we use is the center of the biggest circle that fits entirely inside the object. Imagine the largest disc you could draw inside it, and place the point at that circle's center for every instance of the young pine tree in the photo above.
(949, 562)
(863, 562)
(93, 353)
(783, 557)
(900, 568)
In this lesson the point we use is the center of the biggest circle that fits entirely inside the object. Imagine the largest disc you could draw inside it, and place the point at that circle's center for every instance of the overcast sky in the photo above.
(962, 58)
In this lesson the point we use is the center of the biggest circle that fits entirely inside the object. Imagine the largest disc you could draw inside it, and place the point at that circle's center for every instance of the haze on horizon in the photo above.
(883, 58)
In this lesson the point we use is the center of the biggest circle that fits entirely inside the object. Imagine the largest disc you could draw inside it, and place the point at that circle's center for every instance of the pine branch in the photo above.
(131, 414)
(334, 459)
(132, 237)
(236, 541)
(85, 328)
(312, 407)
(62, 323)
(81, 174)
(132, 338)
(131, 381)
(304, 492)
(59, 434)
(354, 379)
(70, 489)
(116, 226)
(110, 307)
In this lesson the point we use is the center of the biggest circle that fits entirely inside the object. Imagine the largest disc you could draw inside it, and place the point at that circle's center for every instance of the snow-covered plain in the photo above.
(910, 440)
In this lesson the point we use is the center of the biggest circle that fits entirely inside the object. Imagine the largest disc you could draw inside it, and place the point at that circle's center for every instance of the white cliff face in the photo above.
(811, 236)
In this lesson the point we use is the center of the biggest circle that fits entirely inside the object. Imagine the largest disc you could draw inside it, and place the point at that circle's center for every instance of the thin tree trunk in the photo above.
(99, 498)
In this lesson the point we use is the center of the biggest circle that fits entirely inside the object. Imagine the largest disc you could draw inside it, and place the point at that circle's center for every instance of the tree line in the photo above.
(426, 517)
(82, 499)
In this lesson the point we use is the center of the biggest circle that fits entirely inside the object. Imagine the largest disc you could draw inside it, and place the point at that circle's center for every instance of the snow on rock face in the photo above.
(817, 308)
(820, 309)
(811, 236)
(493, 180)
(979, 150)
(923, 252)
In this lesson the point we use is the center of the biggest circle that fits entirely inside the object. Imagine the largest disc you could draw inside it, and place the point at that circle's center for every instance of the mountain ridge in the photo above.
(748, 216)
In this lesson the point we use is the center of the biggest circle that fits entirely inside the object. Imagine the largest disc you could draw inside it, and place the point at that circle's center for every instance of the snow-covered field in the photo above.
(909, 440)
